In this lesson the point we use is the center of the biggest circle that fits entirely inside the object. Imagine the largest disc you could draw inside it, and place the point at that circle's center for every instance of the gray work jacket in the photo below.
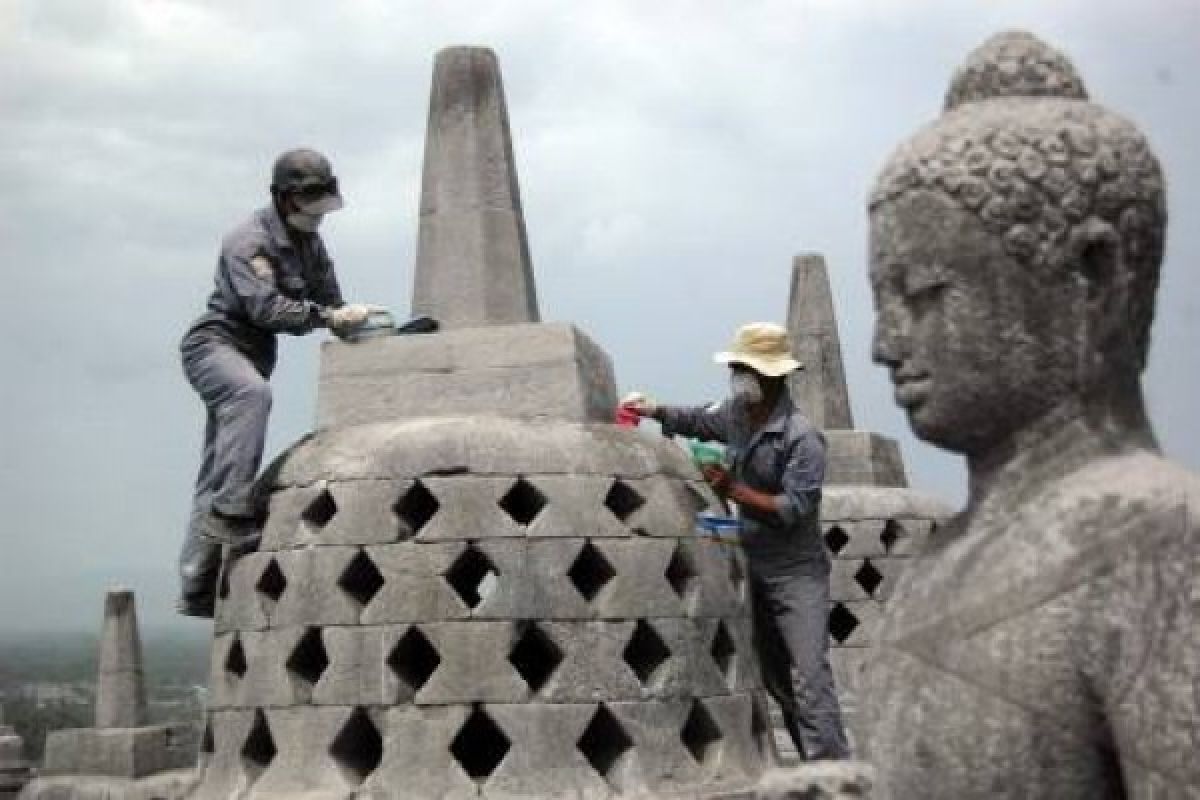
(786, 458)
(266, 283)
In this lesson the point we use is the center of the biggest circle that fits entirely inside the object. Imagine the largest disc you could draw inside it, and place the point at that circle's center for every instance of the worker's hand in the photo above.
(639, 404)
(351, 316)
(718, 478)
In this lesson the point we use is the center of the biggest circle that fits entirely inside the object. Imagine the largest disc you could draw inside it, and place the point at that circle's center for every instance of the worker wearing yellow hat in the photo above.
(774, 468)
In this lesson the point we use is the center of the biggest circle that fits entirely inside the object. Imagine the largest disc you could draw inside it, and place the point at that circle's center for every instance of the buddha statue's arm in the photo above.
(1140, 651)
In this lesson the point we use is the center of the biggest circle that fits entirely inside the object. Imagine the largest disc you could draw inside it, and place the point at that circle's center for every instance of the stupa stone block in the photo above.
(534, 371)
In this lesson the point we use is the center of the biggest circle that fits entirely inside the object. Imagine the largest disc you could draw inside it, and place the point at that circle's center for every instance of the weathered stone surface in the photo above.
(862, 458)
(412, 448)
(820, 388)
(1044, 642)
(174, 785)
(535, 371)
(416, 741)
(120, 684)
(117, 752)
(473, 265)
(874, 503)
(413, 589)
(824, 780)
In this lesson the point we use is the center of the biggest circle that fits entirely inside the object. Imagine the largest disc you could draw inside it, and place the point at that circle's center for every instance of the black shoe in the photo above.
(226, 529)
(201, 605)
(244, 545)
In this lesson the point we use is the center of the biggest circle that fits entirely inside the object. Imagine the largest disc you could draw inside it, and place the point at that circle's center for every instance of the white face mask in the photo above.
(305, 222)
(745, 389)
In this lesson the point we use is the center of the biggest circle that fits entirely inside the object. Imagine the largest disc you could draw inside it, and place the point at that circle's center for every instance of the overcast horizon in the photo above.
(672, 158)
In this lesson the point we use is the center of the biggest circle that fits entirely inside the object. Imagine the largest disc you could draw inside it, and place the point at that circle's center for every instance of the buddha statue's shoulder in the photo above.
(1136, 489)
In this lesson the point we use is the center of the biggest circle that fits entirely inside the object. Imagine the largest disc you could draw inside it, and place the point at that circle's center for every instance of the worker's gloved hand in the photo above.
(639, 404)
(718, 478)
(350, 316)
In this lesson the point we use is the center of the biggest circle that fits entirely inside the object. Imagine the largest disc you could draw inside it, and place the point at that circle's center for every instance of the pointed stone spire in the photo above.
(820, 388)
(120, 683)
(473, 265)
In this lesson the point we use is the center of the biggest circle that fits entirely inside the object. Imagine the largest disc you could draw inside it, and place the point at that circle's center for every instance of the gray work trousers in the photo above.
(791, 635)
(237, 399)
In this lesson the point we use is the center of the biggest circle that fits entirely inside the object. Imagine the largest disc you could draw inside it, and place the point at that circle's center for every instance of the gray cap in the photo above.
(308, 177)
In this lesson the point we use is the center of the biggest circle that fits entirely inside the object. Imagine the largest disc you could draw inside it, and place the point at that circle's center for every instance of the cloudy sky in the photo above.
(673, 157)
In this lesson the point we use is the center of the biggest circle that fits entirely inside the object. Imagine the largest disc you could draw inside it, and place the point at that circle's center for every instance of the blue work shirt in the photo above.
(267, 283)
(785, 457)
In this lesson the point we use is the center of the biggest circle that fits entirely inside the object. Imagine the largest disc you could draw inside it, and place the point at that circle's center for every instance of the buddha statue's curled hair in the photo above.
(1021, 146)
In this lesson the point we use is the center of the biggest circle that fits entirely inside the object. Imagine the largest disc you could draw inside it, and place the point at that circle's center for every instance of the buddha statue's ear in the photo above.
(1102, 273)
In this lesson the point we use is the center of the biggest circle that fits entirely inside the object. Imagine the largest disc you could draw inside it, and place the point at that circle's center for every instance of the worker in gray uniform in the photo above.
(273, 276)
(776, 465)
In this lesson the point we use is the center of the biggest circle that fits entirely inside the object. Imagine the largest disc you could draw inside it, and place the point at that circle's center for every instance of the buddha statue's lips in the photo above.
(910, 391)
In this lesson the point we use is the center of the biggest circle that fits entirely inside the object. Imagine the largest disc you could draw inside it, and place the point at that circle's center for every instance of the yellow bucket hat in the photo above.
(762, 346)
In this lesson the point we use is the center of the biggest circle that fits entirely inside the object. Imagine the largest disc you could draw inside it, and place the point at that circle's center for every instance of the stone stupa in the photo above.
(471, 583)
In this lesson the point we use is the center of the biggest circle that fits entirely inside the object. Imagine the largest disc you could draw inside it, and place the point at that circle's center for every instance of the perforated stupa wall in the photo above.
(485, 608)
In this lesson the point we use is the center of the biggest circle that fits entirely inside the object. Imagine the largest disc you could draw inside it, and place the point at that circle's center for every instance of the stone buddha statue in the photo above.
(1047, 642)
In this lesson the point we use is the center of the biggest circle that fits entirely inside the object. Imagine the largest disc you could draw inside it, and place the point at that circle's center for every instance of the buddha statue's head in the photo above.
(1015, 248)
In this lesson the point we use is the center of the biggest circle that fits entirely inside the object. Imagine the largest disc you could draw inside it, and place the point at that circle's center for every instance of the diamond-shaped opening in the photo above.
(700, 734)
(308, 660)
(842, 623)
(272, 582)
(535, 656)
(892, 532)
(235, 659)
(836, 539)
(590, 572)
(414, 659)
(320, 510)
(415, 508)
(606, 746)
(646, 652)
(480, 746)
(223, 582)
(358, 747)
(207, 745)
(868, 577)
(623, 500)
(361, 579)
(259, 749)
(469, 575)
(681, 574)
(523, 502)
(724, 651)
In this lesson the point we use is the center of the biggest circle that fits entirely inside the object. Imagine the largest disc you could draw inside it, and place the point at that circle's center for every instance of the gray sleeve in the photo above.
(327, 293)
(710, 422)
(261, 301)
(800, 487)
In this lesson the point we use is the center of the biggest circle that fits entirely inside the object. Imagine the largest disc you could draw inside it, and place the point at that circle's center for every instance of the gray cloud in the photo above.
(673, 157)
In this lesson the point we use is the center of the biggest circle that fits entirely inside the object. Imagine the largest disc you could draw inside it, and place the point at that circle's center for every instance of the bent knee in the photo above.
(256, 394)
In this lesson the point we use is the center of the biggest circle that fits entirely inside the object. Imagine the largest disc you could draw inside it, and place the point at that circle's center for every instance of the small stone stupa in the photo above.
(471, 584)
(122, 755)
(872, 521)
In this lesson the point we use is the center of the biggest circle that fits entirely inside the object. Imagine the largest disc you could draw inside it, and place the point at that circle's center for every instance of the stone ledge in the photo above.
(531, 371)
(175, 785)
(117, 752)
